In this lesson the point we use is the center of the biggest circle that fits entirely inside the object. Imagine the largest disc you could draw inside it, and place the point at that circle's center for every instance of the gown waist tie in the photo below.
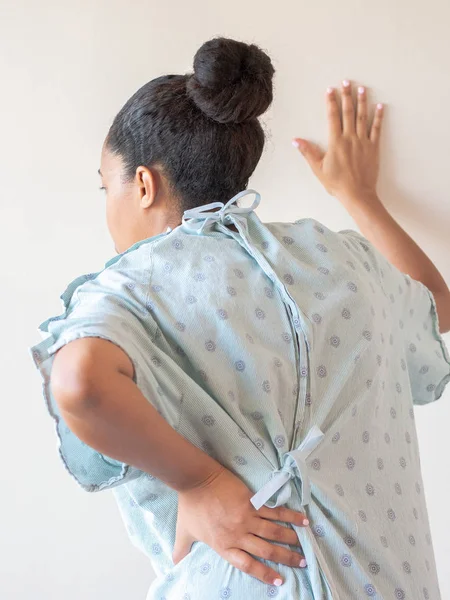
(294, 468)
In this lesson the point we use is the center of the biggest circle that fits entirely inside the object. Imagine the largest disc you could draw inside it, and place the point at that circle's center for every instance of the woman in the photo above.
(247, 389)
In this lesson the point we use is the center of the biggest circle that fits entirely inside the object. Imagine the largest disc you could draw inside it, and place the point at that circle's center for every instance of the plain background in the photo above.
(66, 69)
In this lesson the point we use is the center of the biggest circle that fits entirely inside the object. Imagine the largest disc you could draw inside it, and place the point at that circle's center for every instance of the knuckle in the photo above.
(245, 564)
(285, 514)
(240, 520)
(277, 533)
(271, 553)
(290, 516)
(277, 514)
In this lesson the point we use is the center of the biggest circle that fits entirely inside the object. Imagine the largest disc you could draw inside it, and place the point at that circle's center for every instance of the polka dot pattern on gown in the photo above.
(242, 346)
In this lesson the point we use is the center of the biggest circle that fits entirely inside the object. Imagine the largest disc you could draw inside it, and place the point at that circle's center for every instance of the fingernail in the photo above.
(361, 90)
(303, 563)
(300, 144)
(379, 106)
(277, 582)
(330, 90)
(346, 83)
(305, 522)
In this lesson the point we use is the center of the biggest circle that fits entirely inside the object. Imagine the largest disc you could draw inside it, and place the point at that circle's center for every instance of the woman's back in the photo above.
(245, 342)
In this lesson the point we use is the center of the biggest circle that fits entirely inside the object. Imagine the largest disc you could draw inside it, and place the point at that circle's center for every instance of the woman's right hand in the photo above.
(349, 168)
(219, 513)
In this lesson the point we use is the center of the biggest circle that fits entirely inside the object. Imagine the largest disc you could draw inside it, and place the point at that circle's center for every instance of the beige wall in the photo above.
(66, 68)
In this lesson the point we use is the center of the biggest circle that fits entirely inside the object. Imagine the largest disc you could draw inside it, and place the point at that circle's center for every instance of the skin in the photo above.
(136, 209)
(349, 171)
(91, 378)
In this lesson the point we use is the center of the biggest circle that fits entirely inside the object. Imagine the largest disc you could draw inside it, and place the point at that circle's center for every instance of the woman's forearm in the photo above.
(116, 419)
(380, 228)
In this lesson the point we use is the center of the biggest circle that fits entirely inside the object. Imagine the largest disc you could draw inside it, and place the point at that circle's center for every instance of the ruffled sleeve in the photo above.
(107, 305)
(424, 353)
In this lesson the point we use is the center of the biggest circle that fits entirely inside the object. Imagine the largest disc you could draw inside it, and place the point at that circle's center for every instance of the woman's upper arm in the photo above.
(79, 366)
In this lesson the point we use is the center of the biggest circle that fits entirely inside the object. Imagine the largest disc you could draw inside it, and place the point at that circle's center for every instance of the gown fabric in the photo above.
(280, 337)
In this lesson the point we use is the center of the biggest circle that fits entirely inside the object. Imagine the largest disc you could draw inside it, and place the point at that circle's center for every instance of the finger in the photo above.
(182, 547)
(361, 115)
(269, 551)
(348, 112)
(311, 152)
(281, 513)
(376, 125)
(333, 116)
(277, 533)
(247, 564)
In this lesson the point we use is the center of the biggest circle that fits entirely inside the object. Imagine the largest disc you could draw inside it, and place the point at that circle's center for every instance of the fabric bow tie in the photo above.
(200, 215)
(294, 467)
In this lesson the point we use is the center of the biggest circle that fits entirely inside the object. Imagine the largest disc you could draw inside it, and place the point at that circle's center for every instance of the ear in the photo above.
(147, 184)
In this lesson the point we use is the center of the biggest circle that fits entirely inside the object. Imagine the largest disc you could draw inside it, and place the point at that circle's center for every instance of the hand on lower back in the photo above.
(349, 167)
(220, 514)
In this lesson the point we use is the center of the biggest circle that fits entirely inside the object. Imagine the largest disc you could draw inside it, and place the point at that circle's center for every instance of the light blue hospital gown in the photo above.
(279, 337)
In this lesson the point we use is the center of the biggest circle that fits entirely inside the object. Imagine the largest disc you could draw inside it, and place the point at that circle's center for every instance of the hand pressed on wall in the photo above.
(349, 168)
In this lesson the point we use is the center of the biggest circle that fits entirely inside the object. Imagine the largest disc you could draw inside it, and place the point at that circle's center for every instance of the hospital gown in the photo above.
(253, 343)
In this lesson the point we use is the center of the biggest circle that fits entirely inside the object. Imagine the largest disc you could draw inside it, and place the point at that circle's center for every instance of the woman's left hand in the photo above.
(349, 167)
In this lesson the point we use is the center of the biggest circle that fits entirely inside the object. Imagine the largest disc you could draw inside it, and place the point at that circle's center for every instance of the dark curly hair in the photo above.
(201, 129)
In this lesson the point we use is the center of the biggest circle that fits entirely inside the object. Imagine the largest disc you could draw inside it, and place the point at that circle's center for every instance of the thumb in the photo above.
(310, 151)
(182, 546)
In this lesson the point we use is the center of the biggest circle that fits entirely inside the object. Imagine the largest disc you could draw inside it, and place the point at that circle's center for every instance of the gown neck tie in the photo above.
(197, 217)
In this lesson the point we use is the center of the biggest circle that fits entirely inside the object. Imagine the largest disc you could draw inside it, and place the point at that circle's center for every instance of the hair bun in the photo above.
(232, 81)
